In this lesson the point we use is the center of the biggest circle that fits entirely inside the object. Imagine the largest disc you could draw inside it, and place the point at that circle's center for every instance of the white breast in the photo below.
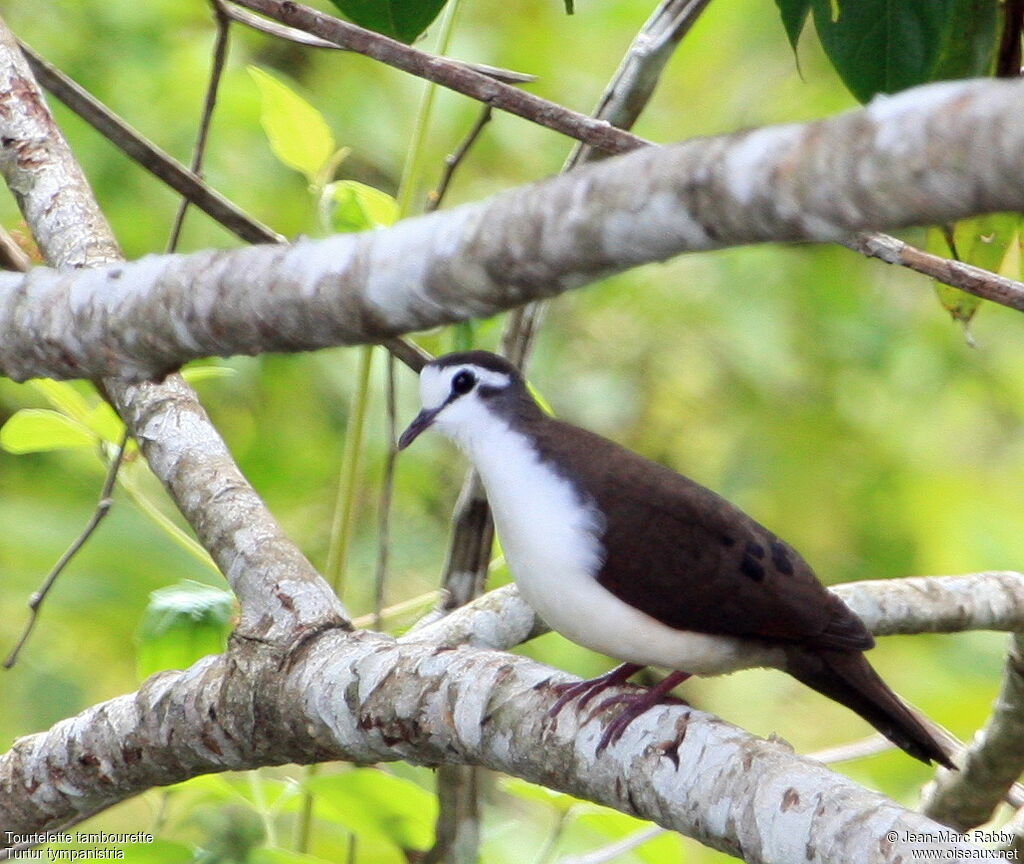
(551, 542)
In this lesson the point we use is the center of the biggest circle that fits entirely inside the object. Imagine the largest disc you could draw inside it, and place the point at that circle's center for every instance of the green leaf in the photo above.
(983, 242)
(464, 336)
(298, 133)
(182, 623)
(369, 801)
(34, 430)
(970, 42)
(353, 206)
(404, 20)
(196, 374)
(883, 46)
(794, 16)
(63, 396)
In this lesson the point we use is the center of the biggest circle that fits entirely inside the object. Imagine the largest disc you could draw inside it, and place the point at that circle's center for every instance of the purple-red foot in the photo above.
(636, 704)
(587, 690)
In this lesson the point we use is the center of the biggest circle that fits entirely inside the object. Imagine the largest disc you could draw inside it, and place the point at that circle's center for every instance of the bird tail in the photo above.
(848, 678)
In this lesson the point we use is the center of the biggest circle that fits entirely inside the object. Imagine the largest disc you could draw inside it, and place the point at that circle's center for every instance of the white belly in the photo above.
(551, 542)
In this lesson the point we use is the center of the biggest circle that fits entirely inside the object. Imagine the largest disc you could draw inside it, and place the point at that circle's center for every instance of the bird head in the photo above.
(462, 394)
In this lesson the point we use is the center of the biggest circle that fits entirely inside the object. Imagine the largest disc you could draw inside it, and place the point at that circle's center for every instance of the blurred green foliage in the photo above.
(828, 395)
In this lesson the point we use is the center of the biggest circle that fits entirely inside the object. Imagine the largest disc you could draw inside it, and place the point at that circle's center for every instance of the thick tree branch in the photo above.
(932, 154)
(280, 594)
(366, 698)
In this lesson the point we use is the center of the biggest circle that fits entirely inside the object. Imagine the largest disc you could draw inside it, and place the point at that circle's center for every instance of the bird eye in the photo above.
(463, 382)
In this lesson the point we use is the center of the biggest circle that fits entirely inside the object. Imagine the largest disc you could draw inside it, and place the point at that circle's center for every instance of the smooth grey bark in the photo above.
(928, 155)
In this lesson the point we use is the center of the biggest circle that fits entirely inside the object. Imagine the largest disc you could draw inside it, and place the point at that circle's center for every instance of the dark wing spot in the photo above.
(728, 541)
(751, 567)
(755, 549)
(780, 558)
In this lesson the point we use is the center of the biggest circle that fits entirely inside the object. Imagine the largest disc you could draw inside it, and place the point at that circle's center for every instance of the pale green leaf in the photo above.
(298, 133)
(197, 374)
(34, 430)
(354, 206)
(64, 396)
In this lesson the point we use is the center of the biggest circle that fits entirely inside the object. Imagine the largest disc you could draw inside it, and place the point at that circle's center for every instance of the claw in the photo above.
(587, 690)
(636, 704)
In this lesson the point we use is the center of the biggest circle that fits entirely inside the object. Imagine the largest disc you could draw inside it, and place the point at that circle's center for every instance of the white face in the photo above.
(452, 403)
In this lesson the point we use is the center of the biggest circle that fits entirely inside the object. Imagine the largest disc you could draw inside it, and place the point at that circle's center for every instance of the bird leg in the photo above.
(588, 689)
(636, 704)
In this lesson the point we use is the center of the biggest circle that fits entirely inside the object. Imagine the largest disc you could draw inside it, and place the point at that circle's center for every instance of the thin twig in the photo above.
(102, 508)
(290, 34)
(448, 73)
(634, 82)
(454, 159)
(386, 493)
(146, 154)
(1008, 60)
(220, 54)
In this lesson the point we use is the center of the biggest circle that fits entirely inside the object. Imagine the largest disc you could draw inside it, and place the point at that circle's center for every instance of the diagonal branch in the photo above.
(992, 762)
(279, 592)
(932, 154)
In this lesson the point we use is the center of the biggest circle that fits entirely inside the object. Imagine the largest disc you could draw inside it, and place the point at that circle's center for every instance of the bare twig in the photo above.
(1008, 60)
(148, 155)
(640, 71)
(974, 280)
(454, 159)
(387, 489)
(102, 508)
(448, 73)
(220, 54)
(271, 28)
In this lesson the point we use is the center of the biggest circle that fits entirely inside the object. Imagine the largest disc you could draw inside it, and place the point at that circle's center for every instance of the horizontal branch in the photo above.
(993, 600)
(363, 697)
(932, 154)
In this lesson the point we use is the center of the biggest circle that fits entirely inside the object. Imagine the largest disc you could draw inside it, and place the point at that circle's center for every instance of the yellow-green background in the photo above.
(828, 395)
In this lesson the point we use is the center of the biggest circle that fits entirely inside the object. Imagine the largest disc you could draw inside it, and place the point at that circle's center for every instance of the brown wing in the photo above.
(692, 560)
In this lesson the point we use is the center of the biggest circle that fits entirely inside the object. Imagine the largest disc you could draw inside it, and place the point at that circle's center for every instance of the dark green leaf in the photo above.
(794, 16)
(883, 46)
(970, 41)
(404, 20)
